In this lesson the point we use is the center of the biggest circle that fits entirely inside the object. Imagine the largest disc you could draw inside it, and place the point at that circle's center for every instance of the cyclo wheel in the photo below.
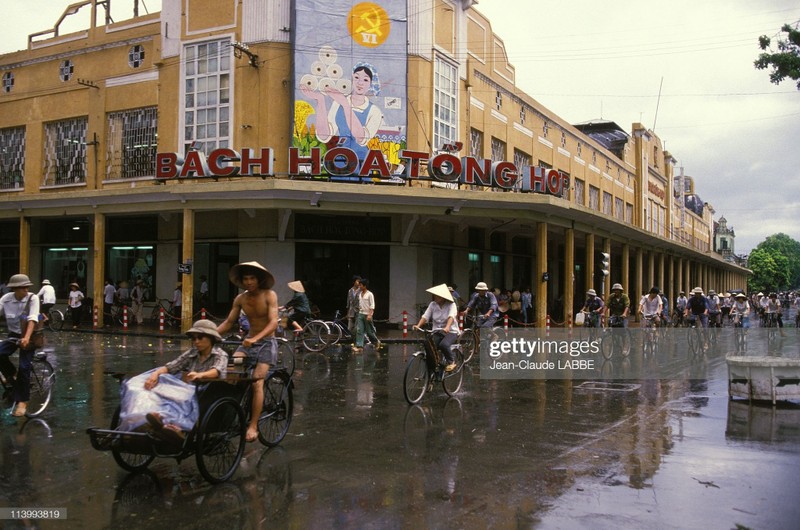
(276, 416)
(132, 462)
(468, 342)
(415, 380)
(220, 440)
(314, 334)
(43, 378)
(55, 320)
(286, 358)
(451, 381)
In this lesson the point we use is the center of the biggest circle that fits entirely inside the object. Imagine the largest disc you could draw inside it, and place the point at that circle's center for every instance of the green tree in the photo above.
(775, 263)
(785, 62)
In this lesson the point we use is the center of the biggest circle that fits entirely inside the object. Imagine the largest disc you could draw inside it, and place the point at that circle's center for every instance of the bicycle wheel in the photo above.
(43, 378)
(468, 342)
(276, 416)
(608, 343)
(220, 440)
(314, 334)
(624, 342)
(55, 320)
(334, 334)
(694, 340)
(415, 380)
(286, 359)
(132, 462)
(451, 381)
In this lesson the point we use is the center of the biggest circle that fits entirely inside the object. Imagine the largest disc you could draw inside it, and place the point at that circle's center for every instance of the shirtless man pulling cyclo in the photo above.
(260, 304)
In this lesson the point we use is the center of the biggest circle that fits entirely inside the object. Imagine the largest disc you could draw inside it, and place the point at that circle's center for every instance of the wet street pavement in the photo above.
(665, 453)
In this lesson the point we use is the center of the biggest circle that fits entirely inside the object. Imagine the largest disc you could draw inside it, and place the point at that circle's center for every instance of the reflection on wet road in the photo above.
(660, 452)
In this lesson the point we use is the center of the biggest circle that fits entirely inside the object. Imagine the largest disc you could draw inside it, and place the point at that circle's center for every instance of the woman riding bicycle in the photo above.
(442, 314)
(22, 314)
(300, 304)
(47, 296)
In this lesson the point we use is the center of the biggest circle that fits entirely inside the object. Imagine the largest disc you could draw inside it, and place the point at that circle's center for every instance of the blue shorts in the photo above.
(261, 352)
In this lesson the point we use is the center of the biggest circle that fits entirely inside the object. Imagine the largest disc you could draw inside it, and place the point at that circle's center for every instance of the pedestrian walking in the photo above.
(75, 302)
(109, 294)
(137, 302)
(352, 304)
(365, 326)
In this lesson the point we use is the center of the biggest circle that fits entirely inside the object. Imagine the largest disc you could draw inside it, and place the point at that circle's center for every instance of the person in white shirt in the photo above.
(109, 295)
(47, 294)
(75, 304)
(741, 310)
(651, 305)
(21, 309)
(364, 323)
(443, 315)
(137, 301)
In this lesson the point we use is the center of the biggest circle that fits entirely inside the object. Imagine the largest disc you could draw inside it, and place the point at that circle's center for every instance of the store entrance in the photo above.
(327, 270)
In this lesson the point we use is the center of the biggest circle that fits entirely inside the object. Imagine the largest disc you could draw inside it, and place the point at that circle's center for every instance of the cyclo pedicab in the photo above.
(217, 438)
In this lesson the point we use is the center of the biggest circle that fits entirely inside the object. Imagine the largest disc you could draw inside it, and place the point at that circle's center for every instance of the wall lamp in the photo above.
(545, 276)
(315, 199)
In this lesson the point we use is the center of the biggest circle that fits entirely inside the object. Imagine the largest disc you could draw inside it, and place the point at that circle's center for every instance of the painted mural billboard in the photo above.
(350, 78)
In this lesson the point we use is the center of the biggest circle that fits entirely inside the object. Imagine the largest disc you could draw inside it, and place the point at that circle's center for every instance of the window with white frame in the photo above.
(12, 158)
(65, 152)
(445, 103)
(132, 143)
(207, 92)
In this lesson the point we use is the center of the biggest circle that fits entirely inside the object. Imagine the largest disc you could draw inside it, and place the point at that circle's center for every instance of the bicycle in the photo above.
(650, 337)
(285, 358)
(43, 377)
(313, 336)
(771, 323)
(616, 338)
(740, 333)
(425, 367)
(55, 319)
(164, 304)
(591, 329)
(695, 336)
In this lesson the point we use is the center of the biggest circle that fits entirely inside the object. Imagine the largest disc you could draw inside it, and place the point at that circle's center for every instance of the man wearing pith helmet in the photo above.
(21, 310)
(260, 304)
(485, 304)
(618, 306)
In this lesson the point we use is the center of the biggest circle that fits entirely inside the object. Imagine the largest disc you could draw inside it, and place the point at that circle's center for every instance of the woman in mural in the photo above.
(353, 118)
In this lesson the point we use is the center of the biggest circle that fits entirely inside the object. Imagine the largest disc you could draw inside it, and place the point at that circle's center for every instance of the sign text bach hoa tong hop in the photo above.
(343, 162)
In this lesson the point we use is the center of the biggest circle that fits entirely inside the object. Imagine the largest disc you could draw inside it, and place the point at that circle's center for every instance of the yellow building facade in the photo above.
(84, 117)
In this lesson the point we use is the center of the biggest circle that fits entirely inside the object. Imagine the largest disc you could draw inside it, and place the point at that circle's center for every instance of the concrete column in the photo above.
(687, 279)
(541, 268)
(625, 275)
(98, 265)
(606, 287)
(24, 246)
(661, 272)
(569, 273)
(636, 289)
(651, 271)
(670, 288)
(187, 291)
(679, 282)
(589, 263)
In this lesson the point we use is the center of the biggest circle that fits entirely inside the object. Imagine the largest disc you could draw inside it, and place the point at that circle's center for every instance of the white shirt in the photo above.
(651, 307)
(13, 309)
(75, 298)
(108, 293)
(366, 303)
(48, 294)
(437, 315)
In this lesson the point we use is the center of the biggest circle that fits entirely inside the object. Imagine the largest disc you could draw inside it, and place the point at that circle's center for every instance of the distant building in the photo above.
(724, 238)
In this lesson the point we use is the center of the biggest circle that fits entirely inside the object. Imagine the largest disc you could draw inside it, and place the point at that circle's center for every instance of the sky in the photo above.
(682, 68)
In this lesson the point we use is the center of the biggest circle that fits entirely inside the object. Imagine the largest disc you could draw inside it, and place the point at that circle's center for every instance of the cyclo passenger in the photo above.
(485, 304)
(22, 313)
(442, 314)
(617, 307)
(651, 306)
(260, 304)
(204, 360)
(593, 307)
(741, 309)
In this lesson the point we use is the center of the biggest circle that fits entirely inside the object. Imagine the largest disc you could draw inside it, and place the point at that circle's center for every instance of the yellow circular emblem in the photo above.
(368, 24)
